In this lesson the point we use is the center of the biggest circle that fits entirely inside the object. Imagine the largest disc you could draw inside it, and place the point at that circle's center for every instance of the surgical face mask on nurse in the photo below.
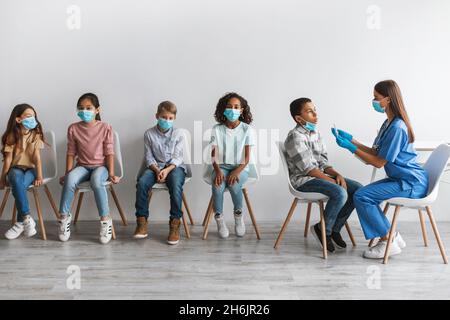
(379, 103)
(308, 117)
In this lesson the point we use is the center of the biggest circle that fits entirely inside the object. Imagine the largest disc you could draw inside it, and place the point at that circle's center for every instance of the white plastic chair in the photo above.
(253, 177)
(435, 166)
(49, 172)
(163, 186)
(86, 186)
(309, 198)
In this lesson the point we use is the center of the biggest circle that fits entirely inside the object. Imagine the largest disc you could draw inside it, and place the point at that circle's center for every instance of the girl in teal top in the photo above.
(231, 140)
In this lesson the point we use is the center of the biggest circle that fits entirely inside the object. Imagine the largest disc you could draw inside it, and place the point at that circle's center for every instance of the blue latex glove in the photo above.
(342, 134)
(344, 143)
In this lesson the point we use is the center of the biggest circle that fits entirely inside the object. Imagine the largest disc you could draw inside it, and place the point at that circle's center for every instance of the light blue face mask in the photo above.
(377, 106)
(29, 123)
(165, 124)
(309, 125)
(232, 114)
(86, 115)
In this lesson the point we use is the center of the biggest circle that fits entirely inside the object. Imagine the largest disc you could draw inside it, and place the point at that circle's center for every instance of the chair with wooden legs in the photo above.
(86, 186)
(49, 172)
(422, 225)
(163, 186)
(435, 166)
(253, 177)
(308, 198)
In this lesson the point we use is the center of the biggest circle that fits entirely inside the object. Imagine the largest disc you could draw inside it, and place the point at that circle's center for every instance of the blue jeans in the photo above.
(367, 202)
(19, 180)
(340, 203)
(174, 182)
(235, 189)
(98, 176)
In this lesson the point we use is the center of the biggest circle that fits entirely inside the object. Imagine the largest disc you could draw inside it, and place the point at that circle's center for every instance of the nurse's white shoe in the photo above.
(398, 238)
(377, 251)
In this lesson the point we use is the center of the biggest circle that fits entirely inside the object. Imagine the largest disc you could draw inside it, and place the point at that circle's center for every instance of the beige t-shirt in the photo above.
(23, 157)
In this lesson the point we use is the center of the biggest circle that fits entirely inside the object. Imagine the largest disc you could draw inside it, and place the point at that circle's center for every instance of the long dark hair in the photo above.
(246, 115)
(13, 133)
(93, 99)
(389, 88)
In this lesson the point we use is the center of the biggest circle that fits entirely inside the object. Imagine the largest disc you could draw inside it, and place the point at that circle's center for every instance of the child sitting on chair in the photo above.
(309, 171)
(164, 164)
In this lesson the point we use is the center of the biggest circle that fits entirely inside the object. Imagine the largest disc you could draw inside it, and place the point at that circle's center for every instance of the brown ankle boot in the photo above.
(174, 233)
(141, 228)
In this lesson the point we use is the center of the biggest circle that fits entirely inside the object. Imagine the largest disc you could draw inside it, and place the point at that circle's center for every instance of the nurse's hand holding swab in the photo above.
(346, 144)
(341, 134)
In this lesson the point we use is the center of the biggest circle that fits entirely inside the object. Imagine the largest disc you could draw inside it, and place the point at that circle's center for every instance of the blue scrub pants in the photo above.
(367, 202)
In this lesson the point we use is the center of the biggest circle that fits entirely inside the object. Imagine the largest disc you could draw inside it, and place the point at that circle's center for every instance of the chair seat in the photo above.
(44, 182)
(409, 203)
(86, 186)
(163, 186)
(308, 196)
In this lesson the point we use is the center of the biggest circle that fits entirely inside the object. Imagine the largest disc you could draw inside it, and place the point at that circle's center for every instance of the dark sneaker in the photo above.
(337, 239)
(317, 233)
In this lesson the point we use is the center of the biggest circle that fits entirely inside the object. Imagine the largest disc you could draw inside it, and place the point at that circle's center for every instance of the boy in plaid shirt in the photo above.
(309, 171)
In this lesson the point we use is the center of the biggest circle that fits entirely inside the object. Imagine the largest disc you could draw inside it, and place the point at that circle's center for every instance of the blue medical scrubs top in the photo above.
(392, 144)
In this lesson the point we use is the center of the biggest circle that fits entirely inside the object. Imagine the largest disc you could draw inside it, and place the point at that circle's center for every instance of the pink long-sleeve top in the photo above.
(90, 143)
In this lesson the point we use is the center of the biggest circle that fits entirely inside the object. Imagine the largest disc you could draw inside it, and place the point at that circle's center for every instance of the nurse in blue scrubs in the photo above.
(392, 149)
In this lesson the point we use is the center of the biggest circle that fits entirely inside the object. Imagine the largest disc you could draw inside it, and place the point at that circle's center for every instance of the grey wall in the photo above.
(134, 54)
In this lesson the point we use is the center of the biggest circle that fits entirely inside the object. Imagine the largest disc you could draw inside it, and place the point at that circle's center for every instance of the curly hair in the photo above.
(246, 115)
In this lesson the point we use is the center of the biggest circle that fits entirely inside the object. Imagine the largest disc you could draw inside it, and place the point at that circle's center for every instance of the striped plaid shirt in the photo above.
(305, 151)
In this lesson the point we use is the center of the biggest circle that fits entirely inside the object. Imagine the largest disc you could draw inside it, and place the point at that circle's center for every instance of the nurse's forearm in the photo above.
(364, 147)
(370, 158)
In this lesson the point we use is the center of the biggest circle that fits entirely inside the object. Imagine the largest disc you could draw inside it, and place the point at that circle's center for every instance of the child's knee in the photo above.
(218, 189)
(341, 195)
(97, 184)
(236, 188)
(70, 181)
(13, 176)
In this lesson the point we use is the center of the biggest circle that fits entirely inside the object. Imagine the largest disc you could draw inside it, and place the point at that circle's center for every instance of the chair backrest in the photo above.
(118, 163)
(186, 157)
(435, 166)
(285, 165)
(253, 174)
(48, 156)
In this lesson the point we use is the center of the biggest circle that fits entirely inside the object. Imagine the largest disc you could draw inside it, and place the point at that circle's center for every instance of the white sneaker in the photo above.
(64, 228)
(15, 231)
(221, 226)
(105, 231)
(239, 226)
(400, 242)
(29, 226)
(378, 250)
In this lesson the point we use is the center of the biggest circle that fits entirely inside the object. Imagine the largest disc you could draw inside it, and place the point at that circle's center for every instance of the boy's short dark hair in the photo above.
(167, 106)
(297, 105)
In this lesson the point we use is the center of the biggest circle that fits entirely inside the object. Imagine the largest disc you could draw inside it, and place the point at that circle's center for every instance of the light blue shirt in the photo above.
(392, 144)
(164, 148)
(231, 143)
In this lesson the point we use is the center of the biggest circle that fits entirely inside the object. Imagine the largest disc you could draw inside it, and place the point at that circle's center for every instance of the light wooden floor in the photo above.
(218, 269)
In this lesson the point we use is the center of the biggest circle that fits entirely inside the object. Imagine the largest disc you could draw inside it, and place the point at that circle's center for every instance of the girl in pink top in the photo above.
(90, 157)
